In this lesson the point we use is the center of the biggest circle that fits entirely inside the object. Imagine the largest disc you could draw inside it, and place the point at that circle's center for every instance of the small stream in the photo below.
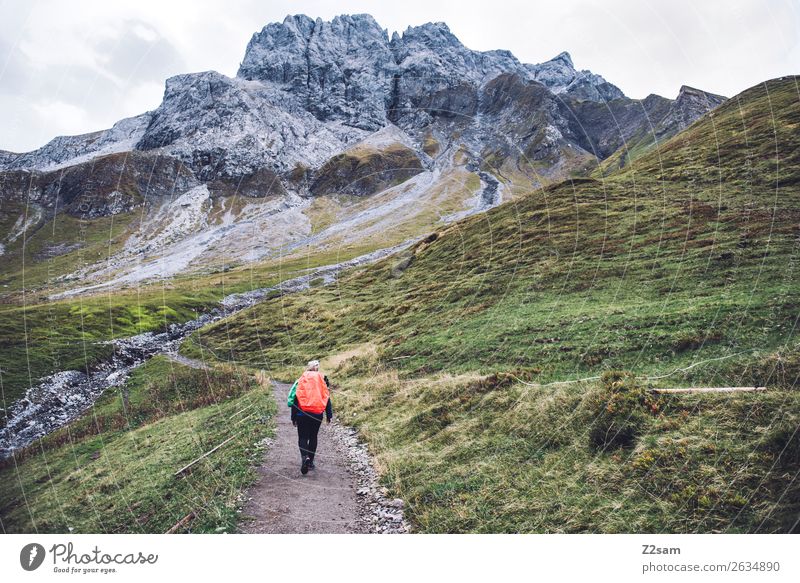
(490, 194)
(60, 398)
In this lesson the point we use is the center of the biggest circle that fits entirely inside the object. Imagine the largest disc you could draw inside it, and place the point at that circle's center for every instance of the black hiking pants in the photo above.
(307, 430)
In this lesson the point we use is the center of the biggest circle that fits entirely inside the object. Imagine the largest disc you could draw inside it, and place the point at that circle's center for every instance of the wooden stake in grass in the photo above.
(208, 453)
(181, 523)
(712, 390)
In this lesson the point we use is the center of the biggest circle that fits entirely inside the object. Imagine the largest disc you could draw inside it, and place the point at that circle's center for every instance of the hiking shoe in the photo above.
(304, 467)
(311, 465)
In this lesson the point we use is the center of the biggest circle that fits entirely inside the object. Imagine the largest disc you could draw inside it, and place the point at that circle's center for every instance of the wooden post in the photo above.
(711, 390)
(208, 453)
(181, 523)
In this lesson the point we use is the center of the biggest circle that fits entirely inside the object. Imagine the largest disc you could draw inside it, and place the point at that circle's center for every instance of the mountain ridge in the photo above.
(466, 127)
(557, 74)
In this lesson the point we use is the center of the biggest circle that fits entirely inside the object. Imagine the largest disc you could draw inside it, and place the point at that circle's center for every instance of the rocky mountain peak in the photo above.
(350, 70)
(687, 93)
(300, 24)
(308, 88)
(686, 89)
(335, 70)
(691, 104)
(563, 58)
(437, 33)
(560, 76)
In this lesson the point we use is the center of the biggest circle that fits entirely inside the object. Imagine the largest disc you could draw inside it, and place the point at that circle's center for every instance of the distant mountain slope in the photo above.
(621, 130)
(323, 124)
(664, 240)
(750, 141)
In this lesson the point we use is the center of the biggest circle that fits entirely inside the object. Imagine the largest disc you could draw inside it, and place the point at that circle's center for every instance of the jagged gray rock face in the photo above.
(336, 70)
(307, 90)
(350, 71)
(690, 104)
(69, 150)
(432, 63)
(103, 186)
(560, 76)
(220, 126)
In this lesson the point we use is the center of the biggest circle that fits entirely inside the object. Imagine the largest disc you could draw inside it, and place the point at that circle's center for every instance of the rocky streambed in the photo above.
(61, 397)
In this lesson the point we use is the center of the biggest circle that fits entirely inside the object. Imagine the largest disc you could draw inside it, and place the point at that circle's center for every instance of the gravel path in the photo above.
(340, 496)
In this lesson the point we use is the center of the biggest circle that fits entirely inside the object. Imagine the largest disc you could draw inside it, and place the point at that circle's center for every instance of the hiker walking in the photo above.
(309, 397)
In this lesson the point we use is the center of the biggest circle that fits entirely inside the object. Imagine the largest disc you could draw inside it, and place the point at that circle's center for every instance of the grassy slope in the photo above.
(494, 455)
(40, 336)
(689, 256)
(38, 339)
(28, 266)
(364, 170)
(112, 469)
(585, 277)
(749, 141)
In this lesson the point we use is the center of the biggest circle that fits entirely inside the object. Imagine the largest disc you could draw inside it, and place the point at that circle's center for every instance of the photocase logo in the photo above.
(31, 556)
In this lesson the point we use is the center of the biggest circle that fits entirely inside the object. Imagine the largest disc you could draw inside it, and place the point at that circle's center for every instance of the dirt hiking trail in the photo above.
(340, 496)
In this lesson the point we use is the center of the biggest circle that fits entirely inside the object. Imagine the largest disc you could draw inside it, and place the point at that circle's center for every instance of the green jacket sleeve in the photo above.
(292, 393)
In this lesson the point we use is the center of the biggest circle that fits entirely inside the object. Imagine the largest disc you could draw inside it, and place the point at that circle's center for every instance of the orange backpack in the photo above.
(312, 392)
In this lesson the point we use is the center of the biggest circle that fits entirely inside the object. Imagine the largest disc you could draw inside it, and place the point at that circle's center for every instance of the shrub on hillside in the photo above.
(783, 440)
(779, 369)
(619, 410)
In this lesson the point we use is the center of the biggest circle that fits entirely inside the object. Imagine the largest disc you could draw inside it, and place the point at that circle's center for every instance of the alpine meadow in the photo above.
(543, 306)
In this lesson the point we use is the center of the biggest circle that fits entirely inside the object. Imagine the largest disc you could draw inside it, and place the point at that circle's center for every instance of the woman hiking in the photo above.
(309, 397)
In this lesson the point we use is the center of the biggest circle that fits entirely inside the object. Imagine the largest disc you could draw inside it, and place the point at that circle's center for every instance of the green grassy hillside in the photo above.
(492, 454)
(682, 269)
(113, 469)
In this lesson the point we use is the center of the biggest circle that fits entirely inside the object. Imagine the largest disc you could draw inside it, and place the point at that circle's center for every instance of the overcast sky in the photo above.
(78, 66)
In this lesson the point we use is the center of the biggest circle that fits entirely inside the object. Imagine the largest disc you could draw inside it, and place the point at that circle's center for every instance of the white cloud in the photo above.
(63, 118)
(107, 58)
(145, 32)
(142, 97)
